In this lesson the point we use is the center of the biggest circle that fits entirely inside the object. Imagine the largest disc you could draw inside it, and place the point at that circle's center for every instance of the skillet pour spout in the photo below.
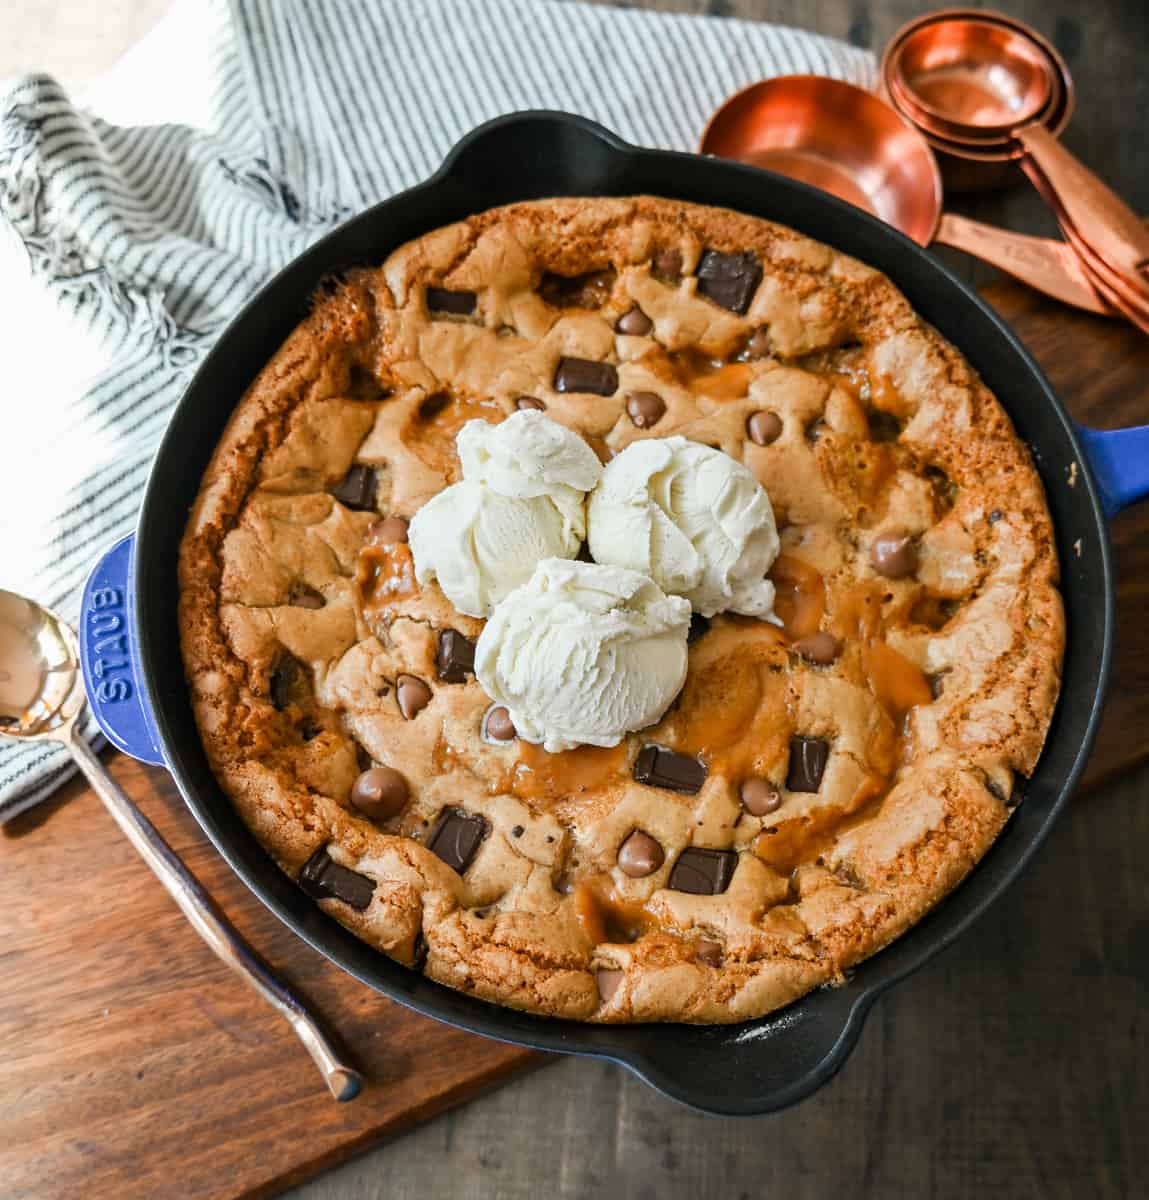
(734, 1069)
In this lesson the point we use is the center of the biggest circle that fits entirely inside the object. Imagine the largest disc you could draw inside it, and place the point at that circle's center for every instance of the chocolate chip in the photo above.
(635, 323)
(645, 408)
(309, 729)
(356, 490)
(412, 695)
(764, 427)
(640, 855)
(380, 793)
(937, 684)
(808, 758)
(995, 789)
(456, 657)
(322, 878)
(517, 831)
(585, 375)
(457, 304)
(699, 627)
(433, 405)
(708, 953)
(500, 726)
(530, 402)
(608, 983)
(894, 555)
(821, 648)
(304, 596)
(730, 280)
(660, 767)
(760, 343)
(667, 266)
(288, 680)
(391, 531)
(703, 872)
(995, 515)
(759, 797)
(456, 838)
(419, 952)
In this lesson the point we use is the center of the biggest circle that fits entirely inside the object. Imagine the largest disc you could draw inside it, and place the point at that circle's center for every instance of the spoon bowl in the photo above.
(41, 691)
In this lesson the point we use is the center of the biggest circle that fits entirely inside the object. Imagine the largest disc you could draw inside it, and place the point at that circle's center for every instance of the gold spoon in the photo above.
(41, 699)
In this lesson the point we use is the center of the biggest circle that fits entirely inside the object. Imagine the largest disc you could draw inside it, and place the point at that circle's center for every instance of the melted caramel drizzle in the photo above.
(804, 839)
(431, 433)
(385, 575)
(604, 917)
(799, 595)
(568, 774)
(898, 684)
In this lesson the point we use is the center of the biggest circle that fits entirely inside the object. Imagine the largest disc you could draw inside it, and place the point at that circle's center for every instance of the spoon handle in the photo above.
(1047, 265)
(1103, 219)
(342, 1079)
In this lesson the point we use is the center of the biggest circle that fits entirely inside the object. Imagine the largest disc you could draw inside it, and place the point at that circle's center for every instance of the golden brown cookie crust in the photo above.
(297, 624)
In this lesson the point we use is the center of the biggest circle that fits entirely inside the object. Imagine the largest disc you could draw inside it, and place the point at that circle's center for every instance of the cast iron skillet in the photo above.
(741, 1069)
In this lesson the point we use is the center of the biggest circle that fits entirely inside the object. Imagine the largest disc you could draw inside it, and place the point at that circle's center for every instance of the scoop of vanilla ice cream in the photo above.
(693, 519)
(584, 654)
(522, 498)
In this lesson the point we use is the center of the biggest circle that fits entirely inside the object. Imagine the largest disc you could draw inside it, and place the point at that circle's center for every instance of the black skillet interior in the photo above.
(744, 1069)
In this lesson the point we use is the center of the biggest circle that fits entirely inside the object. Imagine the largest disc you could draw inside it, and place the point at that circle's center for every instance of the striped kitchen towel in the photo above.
(223, 145)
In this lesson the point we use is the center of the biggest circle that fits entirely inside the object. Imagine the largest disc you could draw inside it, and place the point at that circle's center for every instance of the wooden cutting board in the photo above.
(134, 1064)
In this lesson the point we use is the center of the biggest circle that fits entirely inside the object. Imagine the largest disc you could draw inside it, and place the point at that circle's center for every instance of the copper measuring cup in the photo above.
(846, 141)
(980, 82)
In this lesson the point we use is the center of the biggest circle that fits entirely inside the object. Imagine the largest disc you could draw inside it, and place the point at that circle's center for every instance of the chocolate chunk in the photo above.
(288, 680)
(699, 627)
(821, 648)
(500, 726)
(730, 280)
(760, 343)
(808, 758)
(456, 657)
(357, 488)
(759, 797)
(894, 555)
(322, 878)
(645, 408)
(412, 694)
(530, 402)
(391, 531)
(667, 266)
(585, 375)
(304, 596)
(608, 983)
(660, 767)
(456, 837)
(764, 427)
(708, 953)
(703, 872)
(379, 793)
(635, 323)
(457, 304)
(640, 855)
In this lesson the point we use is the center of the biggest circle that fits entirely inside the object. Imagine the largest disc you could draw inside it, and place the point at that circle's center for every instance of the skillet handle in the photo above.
(759, 1067)
(1120, 462)
(108, 658)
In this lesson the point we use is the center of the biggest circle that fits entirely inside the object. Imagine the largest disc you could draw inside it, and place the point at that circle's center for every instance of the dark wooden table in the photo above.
(1018, 1063)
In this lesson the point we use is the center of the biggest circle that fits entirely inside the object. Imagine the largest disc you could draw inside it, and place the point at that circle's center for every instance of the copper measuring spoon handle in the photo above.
(1100, 216)
(1042, 263)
